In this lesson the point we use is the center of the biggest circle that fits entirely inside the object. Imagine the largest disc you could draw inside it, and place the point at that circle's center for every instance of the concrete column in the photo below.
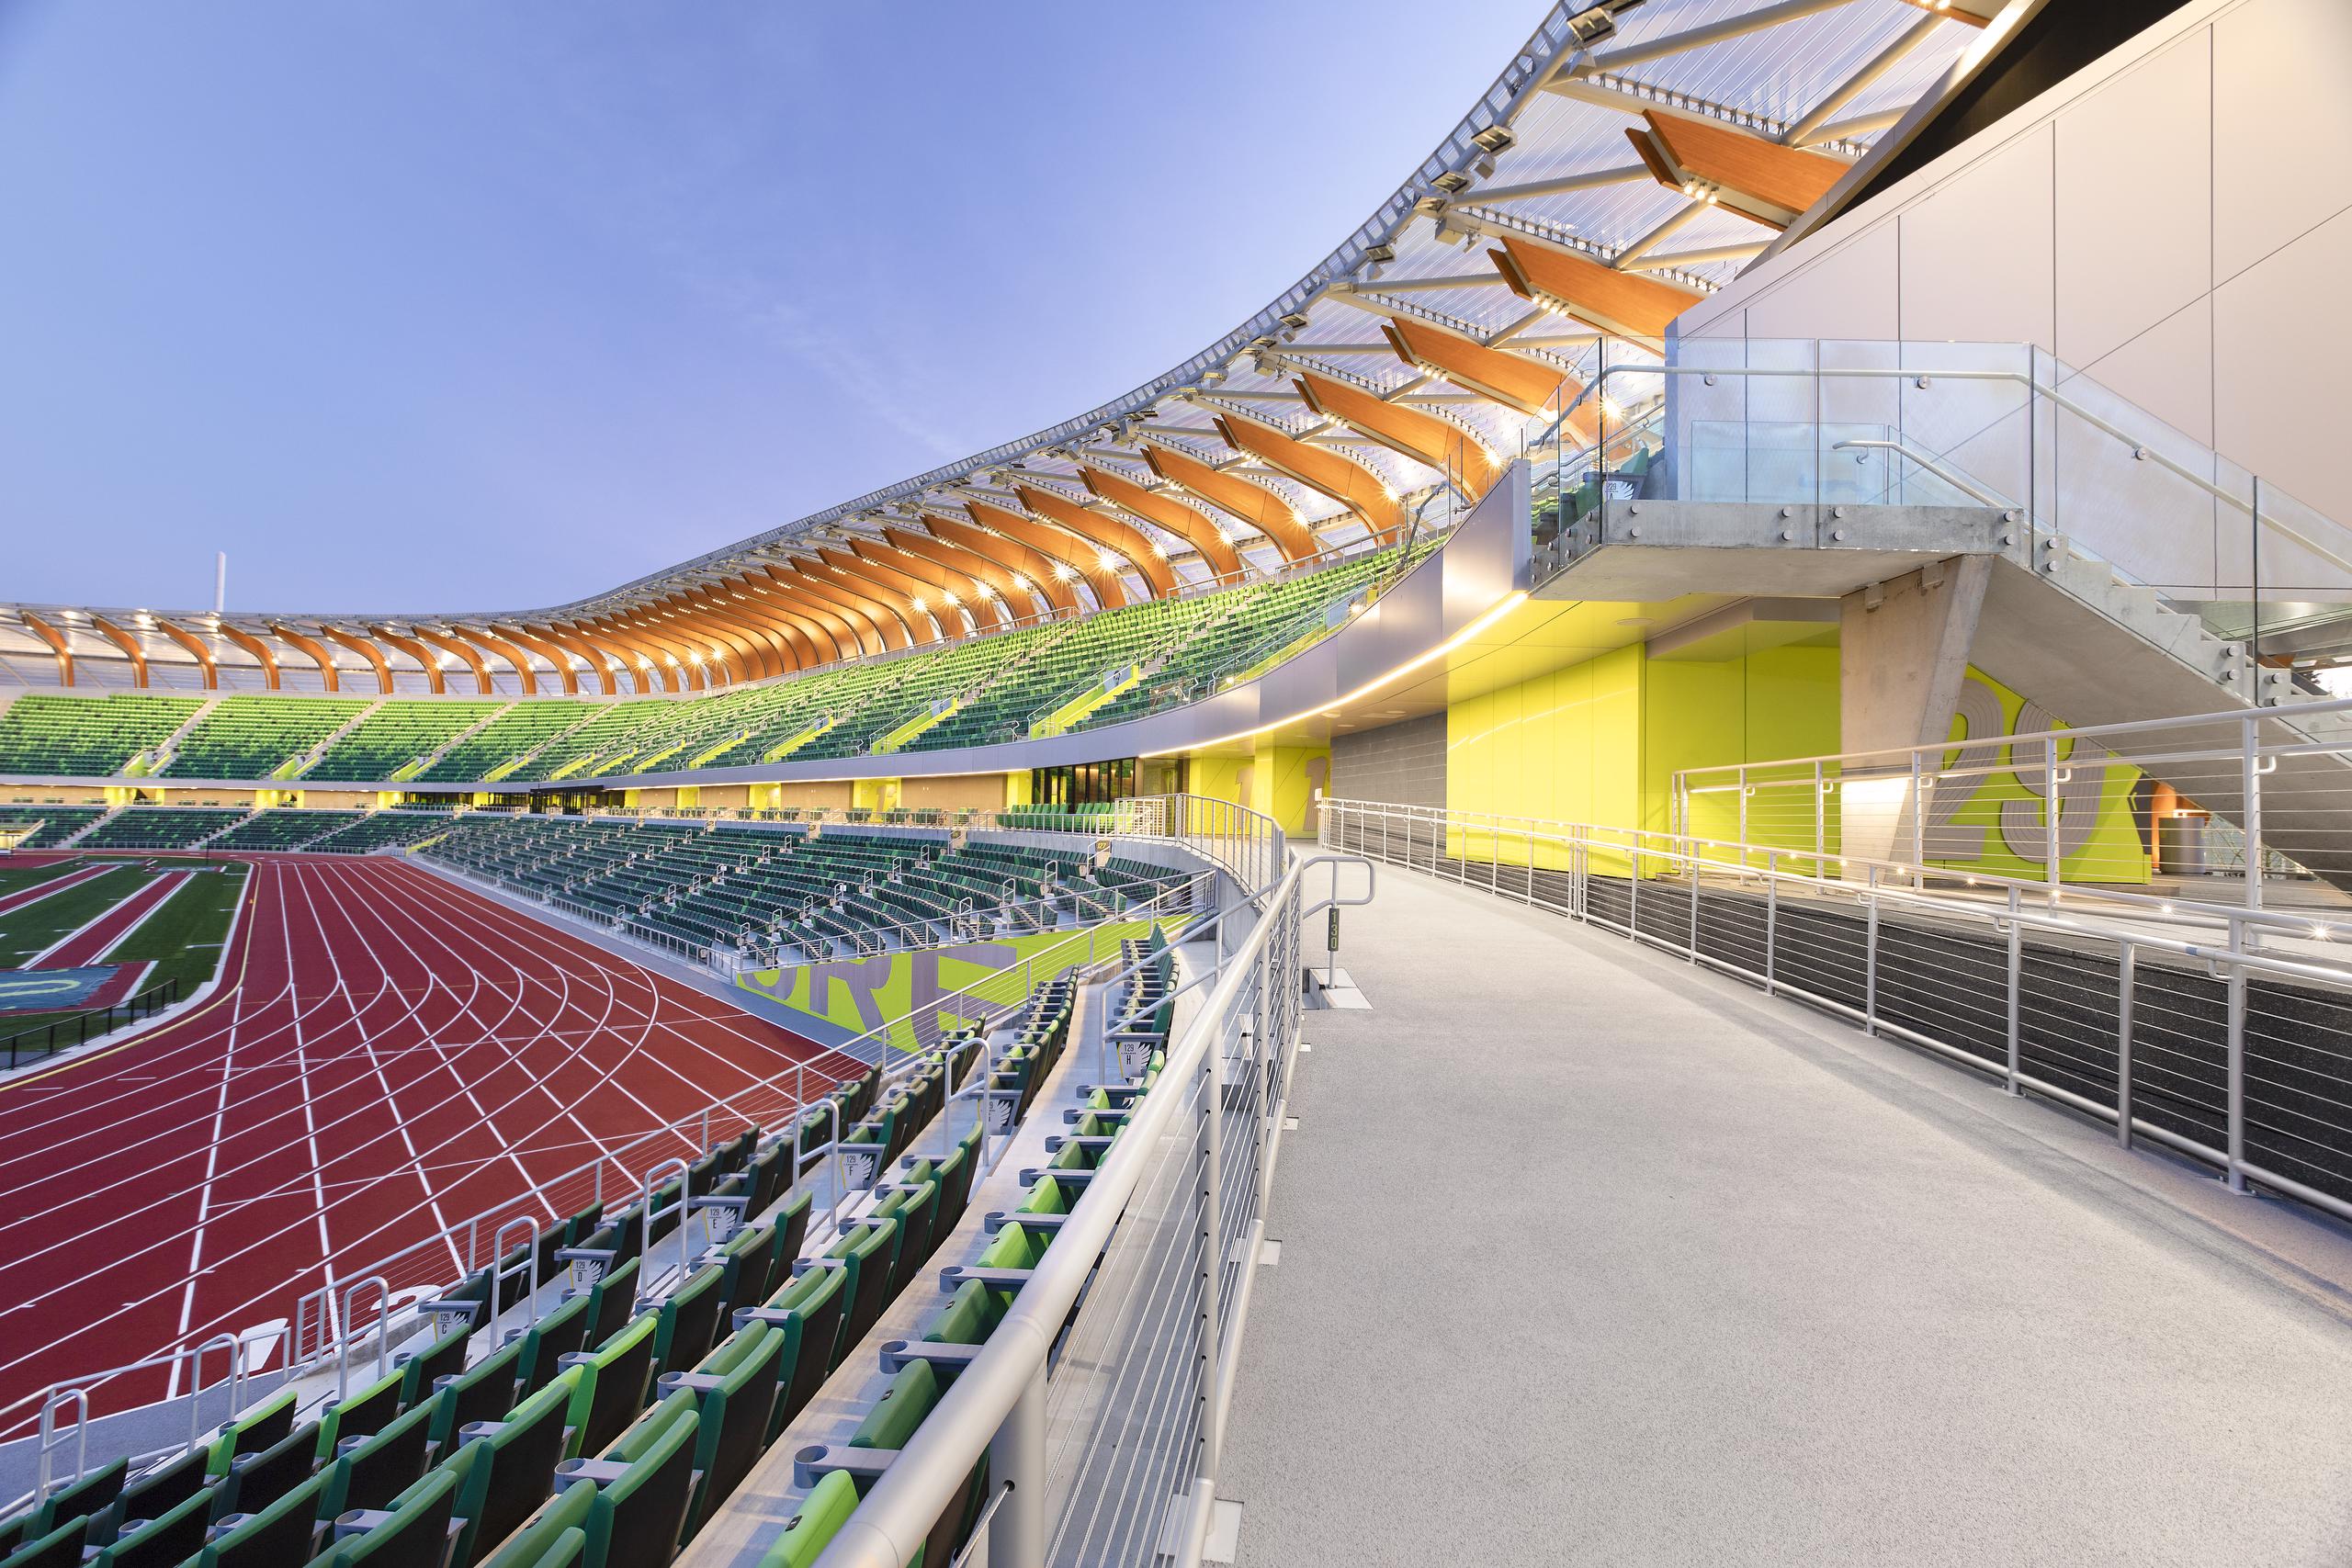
(1902, 648)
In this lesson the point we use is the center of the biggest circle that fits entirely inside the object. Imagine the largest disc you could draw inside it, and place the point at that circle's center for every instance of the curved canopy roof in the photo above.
(1631, 157)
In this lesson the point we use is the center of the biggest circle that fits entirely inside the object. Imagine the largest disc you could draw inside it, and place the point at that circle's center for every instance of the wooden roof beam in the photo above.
(1106, 536)
(1012, 556)
(1744, 172)
(980, 572)
(1320, 469)
(926, 579)
(1251, 504)
(1625, 304)
(259, 649)
(1074, 557)
(366, 650)
(195, 649)
(1201, 533)
(329, 676)
(130, 646)
(59, 647)
(516, 660)
(435, 680)
(1424, 437)
(464, 652)
(561, 657)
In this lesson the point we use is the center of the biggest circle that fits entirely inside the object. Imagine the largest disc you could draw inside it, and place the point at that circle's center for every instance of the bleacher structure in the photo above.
(162, 826)
(760, 894)
(1068, 674)
(52, 825)
(86, 736)
(285, 828)
(382, 830)
(597, 1394)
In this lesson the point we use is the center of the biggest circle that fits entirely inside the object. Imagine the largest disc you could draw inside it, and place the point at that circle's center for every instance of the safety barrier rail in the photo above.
(1124, 1342)
(77, 1028)
(2103, 810)
(2229, 1050)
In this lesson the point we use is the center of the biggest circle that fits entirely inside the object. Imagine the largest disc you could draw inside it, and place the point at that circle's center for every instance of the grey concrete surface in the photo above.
(1588, 1255)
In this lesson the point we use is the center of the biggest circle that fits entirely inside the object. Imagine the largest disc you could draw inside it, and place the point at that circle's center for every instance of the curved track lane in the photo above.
(387, 1055)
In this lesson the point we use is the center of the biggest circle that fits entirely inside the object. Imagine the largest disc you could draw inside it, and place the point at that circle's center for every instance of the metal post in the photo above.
(1212, 1267)
(1820, 819)
(2050, 812)
(1918, 824)
(2016, 969)
(1771, 920)
(1870, 957)
(1016, 1536)
(1690, 857)
(2236, 1110)
(2127, 977)
(2250, 782)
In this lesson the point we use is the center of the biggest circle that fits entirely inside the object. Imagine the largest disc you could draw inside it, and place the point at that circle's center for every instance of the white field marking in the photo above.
(254, 1246)
(391, 1099)
(605, 973)
(204, 1198)
(310, 1132)
(663, 992)
(169, 883)
(26, 898)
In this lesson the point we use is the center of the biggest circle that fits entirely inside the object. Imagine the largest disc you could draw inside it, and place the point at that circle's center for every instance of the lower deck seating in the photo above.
(162, 826)
(284, 828)
(51, 825)
(383, 830)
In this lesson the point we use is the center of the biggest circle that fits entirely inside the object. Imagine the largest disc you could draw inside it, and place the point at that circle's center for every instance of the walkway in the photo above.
(1588, 1255)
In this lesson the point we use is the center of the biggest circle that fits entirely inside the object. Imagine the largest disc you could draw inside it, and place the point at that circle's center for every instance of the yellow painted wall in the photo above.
(1017, 790)
(874, 794)
(1284, 781)
(1219, 778)
(1600, 742)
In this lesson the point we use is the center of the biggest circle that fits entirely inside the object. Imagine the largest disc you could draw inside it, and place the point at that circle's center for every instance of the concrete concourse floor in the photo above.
(1590, 1256)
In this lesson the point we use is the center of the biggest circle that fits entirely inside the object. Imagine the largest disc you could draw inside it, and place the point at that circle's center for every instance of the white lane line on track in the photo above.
(204, 1198)
(504, 925)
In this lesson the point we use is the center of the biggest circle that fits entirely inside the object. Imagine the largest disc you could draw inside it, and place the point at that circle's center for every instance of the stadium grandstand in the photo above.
(1657, 874)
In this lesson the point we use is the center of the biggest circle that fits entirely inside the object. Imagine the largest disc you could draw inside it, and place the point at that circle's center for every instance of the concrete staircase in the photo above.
(91, 826)
(153, 761)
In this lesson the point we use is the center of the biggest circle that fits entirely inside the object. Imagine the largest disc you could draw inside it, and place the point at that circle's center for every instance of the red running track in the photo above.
(386, 1054)
(90, 943)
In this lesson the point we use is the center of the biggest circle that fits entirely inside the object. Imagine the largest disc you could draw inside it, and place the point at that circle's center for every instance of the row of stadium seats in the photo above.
(285, 828)
(977, 691)
(84, 736)
(383, 830)
(253, 737)
(607, 1424)
(395, 735)
(52, 825)
(920, 1371)
(774, 889)
(162, 826)
(522, 729)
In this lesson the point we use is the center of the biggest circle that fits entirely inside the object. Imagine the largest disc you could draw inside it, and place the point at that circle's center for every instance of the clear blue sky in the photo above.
(419, 304)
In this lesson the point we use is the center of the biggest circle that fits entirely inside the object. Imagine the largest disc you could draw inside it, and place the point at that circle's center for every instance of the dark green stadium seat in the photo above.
(505, 1468)
(554, 1536)
(90, 1494)
(378, 1468)
(61, 1546)
(609, 1385)
(735, 1392)
(643, 1486)
(287, 1531)
(411, 1531)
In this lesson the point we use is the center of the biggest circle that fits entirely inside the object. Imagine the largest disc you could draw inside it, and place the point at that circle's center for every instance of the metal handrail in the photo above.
(996, 1403)
(2026, 378)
